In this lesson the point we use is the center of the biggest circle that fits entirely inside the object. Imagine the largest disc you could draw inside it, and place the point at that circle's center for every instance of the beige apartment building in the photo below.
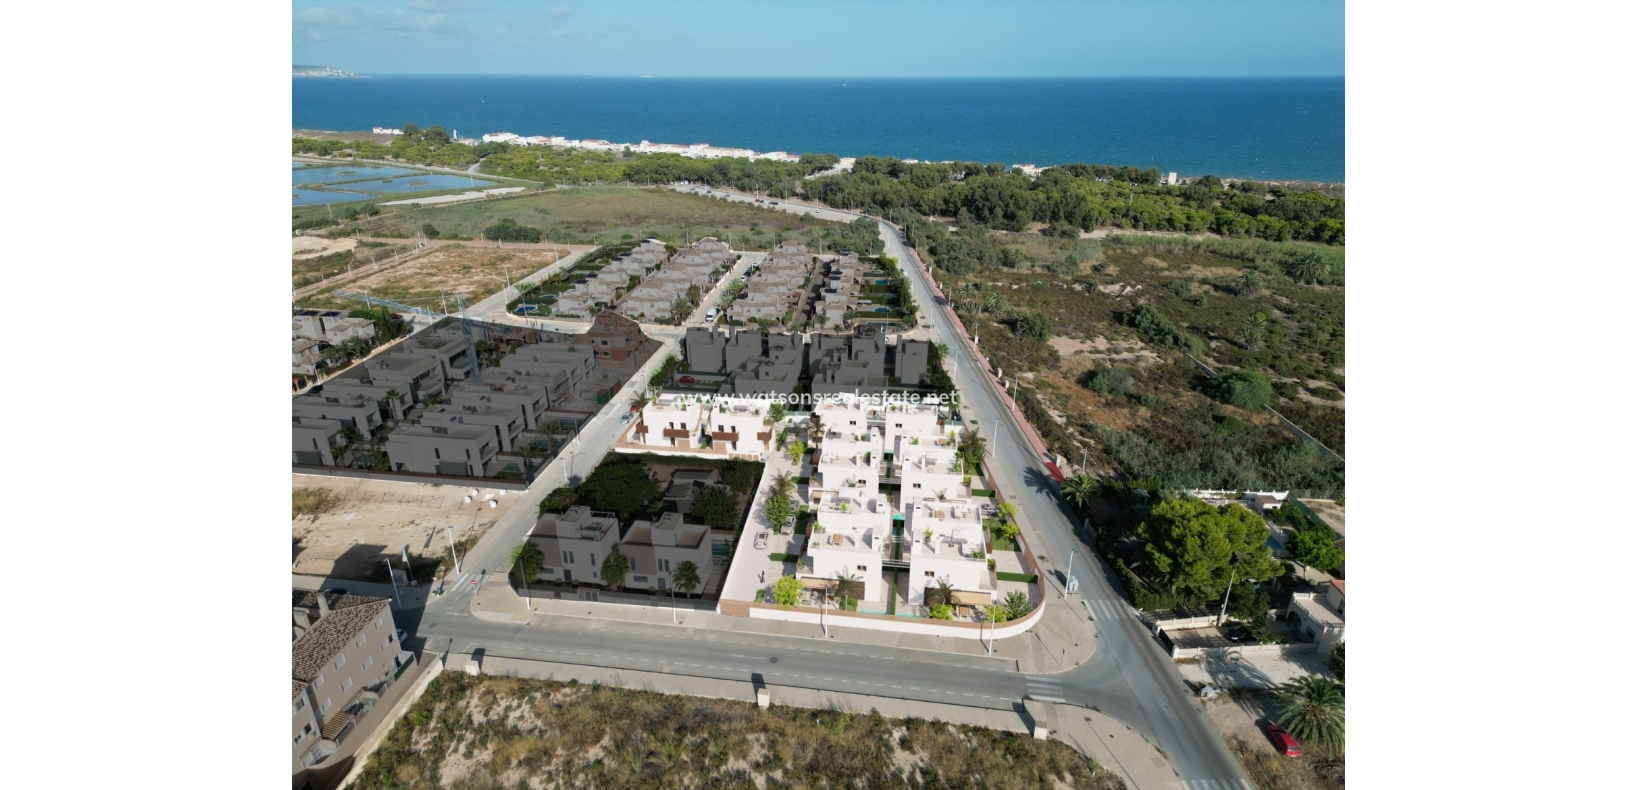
(344, 652)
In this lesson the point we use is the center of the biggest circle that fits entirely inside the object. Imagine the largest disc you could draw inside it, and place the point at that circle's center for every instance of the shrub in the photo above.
(1314, 548)
(941, 612)
(509, 230)
(1034, 326)
(1016, 604)
(787, 591)
(1246, 389)
(1109, 381)
(1156, 328)
(1325, 393)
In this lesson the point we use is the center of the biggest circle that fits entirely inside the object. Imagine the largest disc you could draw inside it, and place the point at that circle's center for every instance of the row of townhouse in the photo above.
(839, 293)
(344, 652)
(678, 421)
(776, 286)
(312, 330)
(756, 363)
(444, 424)
(576, 542)
(847, 363)
(700, 265)
(605, 286)
(932, 527)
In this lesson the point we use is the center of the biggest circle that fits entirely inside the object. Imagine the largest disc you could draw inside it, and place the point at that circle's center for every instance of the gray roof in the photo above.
(327, 637)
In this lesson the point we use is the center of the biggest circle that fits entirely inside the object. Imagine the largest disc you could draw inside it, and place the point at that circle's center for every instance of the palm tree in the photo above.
(784, 484)
(1307, 266)
(1248, 282)
(392, 400)
(527, 560)
(1312, 709)
(687, 577)
(847, 583)
(1079, 490)
(946, 591)
(526, 452)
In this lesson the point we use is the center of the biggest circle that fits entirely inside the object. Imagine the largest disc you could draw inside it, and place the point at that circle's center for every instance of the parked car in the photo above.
(762, 539)
(686, 380)
(625, 418)
(1283, 742)
(711, 315)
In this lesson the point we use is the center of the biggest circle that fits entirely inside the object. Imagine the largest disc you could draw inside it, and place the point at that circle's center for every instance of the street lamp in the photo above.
(390, 578)
(450, 530)
(1224, 611)
(1070, 585)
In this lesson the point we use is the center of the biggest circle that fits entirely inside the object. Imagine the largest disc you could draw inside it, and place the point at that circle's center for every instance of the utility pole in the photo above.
(450, 530)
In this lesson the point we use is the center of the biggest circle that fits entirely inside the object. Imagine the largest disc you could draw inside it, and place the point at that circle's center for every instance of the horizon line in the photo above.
(862, 79)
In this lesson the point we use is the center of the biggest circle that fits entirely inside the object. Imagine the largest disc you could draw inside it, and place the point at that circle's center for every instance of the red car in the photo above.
(1283, 741)
(686, 380)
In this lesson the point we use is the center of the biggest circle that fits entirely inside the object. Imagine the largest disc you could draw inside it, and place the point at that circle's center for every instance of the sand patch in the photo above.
(304, 247)
(374, 518)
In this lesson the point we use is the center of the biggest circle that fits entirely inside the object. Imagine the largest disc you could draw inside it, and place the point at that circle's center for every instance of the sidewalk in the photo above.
(1062, 640)
(1109, 743)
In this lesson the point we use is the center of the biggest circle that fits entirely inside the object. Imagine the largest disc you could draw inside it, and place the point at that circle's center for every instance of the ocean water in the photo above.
(1246, 128)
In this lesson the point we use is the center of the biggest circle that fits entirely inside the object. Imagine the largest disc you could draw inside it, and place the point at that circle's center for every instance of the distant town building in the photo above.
(385, 130)
(1171, 179)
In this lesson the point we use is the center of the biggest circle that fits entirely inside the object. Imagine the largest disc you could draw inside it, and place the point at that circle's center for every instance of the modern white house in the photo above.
(850, 537)
(738, 425)
(655, 549)
(948, 545)
(672, 420)
(1319, 615)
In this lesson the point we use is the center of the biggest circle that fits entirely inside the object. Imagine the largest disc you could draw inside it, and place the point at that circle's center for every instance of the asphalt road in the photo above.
(707, 652)
(1129, 678)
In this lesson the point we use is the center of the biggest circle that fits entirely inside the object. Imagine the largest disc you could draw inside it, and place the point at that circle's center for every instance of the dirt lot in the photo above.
(1240, 719)
(1330, 512)
(373, 518)
(472, 271)
(304, 247)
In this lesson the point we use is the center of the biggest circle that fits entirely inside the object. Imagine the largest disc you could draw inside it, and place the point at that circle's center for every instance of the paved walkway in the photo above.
(1062, 640)
(1106, 741)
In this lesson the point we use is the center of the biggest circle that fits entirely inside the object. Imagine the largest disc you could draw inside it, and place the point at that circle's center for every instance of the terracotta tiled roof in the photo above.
(1338, 584)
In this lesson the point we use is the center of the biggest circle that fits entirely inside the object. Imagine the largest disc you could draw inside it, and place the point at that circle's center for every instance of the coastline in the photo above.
(1329, 188)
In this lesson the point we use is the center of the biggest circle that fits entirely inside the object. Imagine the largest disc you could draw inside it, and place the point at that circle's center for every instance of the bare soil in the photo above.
(373, 518)
(1240, 717)
(473, 272)
(304, 247)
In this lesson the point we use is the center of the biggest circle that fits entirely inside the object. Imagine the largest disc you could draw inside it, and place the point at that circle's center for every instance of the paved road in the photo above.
(977, 681)
(1130, 677)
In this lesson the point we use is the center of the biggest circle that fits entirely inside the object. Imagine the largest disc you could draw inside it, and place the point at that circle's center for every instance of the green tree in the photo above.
(558, 501)
(1313, 710)
(1315, 549)
(1192, 546)
(1080, 490)
(623, 489)
(1334, 662)
(717, 507)
(787, 591)
(778, 510)
(796, 451)
(741, 476)
(613, 572)
(1034, 326)
(972, 448)
(1246, 389)
(776, 410)
(428, 231)
(1017, 604)
(1307, 266)
(687, 577)
(527, 561)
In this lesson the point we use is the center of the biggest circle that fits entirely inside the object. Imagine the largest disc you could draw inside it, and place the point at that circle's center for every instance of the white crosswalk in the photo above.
(1044, 689)
(1217, 784)
(1104, 608)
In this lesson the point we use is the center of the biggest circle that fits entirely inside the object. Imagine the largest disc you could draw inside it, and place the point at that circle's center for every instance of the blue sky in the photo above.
(836, 38)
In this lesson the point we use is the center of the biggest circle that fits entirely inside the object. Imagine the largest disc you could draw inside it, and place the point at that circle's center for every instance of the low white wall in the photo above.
(903, 625)
(1245, 650)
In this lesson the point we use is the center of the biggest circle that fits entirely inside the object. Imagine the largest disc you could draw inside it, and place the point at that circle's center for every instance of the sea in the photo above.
(1273, 128)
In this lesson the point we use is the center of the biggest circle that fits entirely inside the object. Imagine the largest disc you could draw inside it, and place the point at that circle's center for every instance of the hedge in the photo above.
(983, 492)
(1027, 578)
(777, 557)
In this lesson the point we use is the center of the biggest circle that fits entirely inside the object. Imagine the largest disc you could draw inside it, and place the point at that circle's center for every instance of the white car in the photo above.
(762, 539)
(711, 315)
